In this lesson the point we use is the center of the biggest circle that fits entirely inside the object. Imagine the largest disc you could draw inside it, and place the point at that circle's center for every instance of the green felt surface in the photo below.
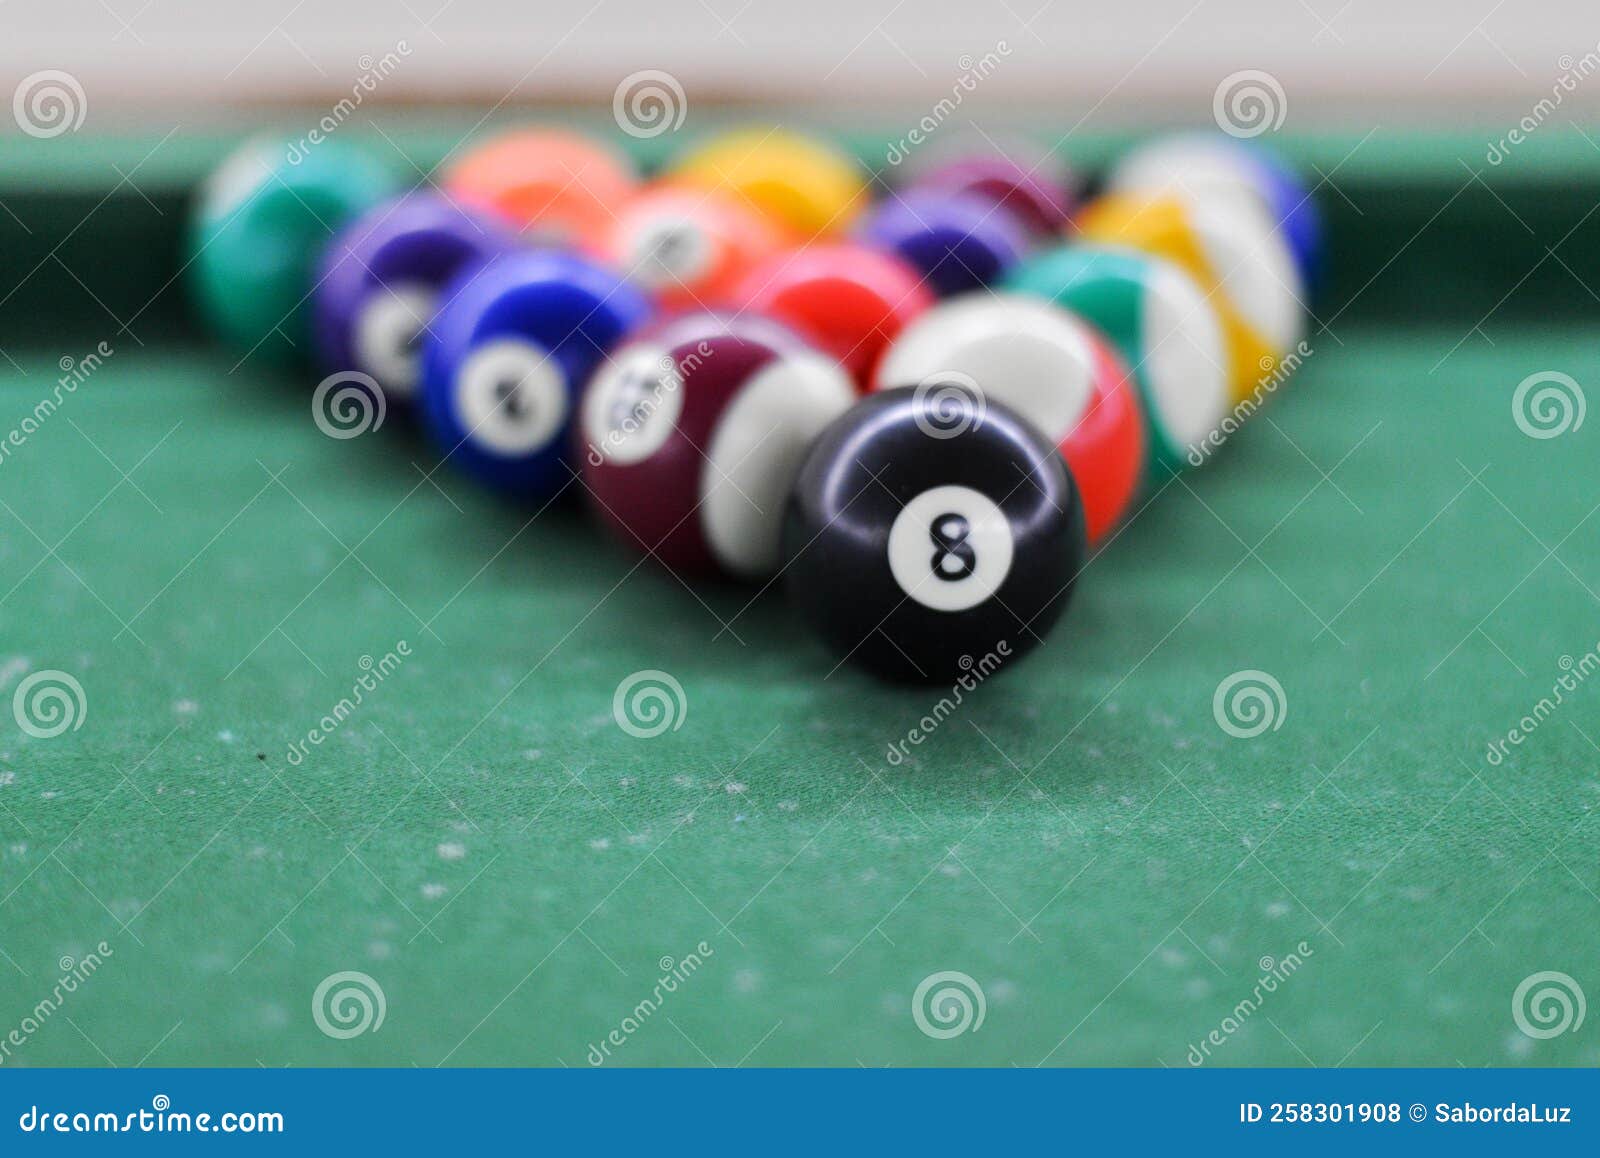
(1080, 836)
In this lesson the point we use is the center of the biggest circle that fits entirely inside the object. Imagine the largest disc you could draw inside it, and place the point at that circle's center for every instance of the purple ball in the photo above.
(380, 280)
(958, 242)
(1041, 197)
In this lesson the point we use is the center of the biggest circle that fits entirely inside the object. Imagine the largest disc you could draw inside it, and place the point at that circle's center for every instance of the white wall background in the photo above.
(1423, 61)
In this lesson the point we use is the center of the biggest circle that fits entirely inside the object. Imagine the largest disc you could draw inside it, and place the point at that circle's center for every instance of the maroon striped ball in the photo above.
(692, 435)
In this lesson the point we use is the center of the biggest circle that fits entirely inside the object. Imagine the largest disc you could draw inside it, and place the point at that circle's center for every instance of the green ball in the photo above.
(1163, 326)
(260, 223)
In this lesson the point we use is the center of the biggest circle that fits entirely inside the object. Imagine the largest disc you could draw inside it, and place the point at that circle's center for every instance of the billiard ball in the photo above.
(259, 223)
(849, 299)
(506, 355)
(931, 534)
(692, 435)
(1162, 325)
(551, 185)
(1049, 366)
(1037, 191)
(689, 246)
(1240, 262)
(957, 241)
(1211, 165)
(808, 186)
(380, 283)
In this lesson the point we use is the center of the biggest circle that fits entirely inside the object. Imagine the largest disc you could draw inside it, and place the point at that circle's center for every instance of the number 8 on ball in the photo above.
(915, 545)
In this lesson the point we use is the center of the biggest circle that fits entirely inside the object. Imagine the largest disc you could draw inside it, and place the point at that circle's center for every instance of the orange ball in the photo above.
(850, 300)
(689, 246)
(550, 184)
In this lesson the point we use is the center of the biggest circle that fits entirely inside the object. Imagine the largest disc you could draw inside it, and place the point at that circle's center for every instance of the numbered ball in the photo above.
(551, 185)
(1049, 366)
(957, 241)
(1162, 325)
(1212, 166)
(1241, 264)
(1037, 190)
(509, 350)
(806, 185)
(692, 436)
(380, 281)
(928, 537)
(689, 246)
(260, 223)
(848, 299)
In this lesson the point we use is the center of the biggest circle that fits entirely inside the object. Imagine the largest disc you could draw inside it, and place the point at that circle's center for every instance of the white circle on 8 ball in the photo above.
(950, 548)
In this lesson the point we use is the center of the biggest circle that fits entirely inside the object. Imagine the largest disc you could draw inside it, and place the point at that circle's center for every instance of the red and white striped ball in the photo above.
(1052, 367)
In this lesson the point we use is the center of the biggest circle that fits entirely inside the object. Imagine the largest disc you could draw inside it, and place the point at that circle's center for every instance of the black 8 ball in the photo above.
(929, 530)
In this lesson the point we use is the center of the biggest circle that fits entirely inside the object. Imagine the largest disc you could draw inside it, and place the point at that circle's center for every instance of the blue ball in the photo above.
(380, 280)
(957, 241)
(508, 353)
(1296, 209)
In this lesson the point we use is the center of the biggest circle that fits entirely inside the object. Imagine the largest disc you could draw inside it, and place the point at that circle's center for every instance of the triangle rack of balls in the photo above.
(919, 400)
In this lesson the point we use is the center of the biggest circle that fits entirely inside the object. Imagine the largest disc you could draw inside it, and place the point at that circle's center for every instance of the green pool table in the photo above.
(346, 726)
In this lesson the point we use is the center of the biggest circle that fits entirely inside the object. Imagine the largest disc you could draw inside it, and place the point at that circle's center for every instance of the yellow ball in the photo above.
(806, 185)
(1242, 264)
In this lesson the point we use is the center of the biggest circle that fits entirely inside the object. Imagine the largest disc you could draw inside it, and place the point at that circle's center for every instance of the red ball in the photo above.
(850, 300)
(692, 435)
(1106, 447)
(1050, 366)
